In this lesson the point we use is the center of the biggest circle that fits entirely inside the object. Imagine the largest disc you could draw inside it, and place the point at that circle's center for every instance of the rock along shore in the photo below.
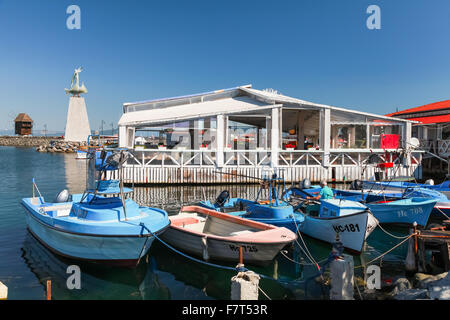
(42, 144)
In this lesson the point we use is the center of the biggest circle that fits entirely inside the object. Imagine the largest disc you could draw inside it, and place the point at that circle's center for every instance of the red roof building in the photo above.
(433, 127)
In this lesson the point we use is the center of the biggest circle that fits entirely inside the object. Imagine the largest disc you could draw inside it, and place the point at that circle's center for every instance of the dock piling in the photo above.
(410, 262)
(244, 286)
(342, 278)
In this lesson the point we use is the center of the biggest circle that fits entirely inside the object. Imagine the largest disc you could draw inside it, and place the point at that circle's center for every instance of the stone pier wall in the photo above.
(42, 144)
(27, 141)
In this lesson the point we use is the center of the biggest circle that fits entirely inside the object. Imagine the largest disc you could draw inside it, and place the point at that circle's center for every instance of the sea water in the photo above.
(25, 265)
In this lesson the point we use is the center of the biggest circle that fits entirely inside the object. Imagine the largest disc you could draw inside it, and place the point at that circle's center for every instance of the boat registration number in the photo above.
(244, 248)
(347, 228)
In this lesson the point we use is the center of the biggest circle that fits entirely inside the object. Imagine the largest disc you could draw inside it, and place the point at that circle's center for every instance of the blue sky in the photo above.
(318, 50)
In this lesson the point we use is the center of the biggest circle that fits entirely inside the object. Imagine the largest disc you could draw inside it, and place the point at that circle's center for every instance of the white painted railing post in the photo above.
(325, 128)
(275, 136)
(220, 140)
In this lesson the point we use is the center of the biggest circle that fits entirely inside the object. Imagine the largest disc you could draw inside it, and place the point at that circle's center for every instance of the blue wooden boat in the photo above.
(277, 212)
(100, 225)
(444, 187)
(441, 209)
(388, 208)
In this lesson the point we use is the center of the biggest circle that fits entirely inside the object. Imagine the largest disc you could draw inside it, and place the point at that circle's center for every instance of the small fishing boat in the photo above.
(82, 153)
(403, 211)
(219, 236)
(444, 187)
(387, 207)
(351, 220)
(266, 208)
(327, 218)
(100, 225)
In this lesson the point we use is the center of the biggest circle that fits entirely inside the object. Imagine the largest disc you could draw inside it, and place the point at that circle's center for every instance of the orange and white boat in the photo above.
(219, 236)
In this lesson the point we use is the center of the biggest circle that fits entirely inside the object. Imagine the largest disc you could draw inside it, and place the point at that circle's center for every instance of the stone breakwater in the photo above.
(42, 144)
(59, 146)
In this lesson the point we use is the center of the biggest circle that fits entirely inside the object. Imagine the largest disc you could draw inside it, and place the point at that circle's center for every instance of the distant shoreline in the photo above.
(27, 141)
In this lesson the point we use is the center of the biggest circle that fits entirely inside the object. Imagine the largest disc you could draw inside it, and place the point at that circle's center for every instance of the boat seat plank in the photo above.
(181, 222)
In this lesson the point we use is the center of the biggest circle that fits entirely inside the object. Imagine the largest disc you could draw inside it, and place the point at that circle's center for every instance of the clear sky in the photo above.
(317, 50)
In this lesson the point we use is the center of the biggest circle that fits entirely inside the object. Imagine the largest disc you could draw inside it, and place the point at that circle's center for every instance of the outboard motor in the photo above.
(63, 196)
(305, 184)
(356, 185)
(222, 198)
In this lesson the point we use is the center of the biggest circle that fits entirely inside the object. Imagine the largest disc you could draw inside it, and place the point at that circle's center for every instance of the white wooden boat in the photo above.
(215, 235)
(351, 220)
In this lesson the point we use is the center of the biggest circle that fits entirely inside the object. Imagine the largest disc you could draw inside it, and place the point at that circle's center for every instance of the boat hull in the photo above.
(82, 155)
(222, 250)
(113, 250)
(396, 212)
(219, 236)
(352, 229)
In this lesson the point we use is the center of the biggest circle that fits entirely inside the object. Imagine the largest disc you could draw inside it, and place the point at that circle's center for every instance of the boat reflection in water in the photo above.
(101, 282)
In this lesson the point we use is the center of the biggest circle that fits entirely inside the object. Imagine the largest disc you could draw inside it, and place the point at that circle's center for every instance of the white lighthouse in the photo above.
(77, 124)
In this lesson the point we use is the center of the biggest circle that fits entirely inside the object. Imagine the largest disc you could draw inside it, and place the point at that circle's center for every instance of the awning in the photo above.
(433, 119)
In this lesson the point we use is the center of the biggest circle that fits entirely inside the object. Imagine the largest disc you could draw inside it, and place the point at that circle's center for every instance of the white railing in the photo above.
(443, 147)
(255, 158)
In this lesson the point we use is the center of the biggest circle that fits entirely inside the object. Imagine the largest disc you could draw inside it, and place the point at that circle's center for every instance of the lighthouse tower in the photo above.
(77, 124)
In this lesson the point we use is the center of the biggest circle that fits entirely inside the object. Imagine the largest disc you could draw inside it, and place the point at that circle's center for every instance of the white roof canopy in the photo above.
(234, 100)
(193, 110)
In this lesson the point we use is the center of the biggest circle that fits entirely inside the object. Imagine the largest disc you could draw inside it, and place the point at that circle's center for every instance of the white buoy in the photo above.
(3, 291)
(244, 286)
(342, 272)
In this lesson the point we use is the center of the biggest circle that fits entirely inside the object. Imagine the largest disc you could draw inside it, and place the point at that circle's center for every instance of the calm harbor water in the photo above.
(25, 264)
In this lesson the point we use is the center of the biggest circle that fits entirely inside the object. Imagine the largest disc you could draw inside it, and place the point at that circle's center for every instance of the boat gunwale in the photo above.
(32, 214)
(236, 239)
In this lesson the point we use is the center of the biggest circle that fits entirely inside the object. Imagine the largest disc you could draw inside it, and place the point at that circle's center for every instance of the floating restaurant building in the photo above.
(241, 131)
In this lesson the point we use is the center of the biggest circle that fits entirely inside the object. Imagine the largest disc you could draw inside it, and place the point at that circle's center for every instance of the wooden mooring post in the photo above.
(436, 239)
(49, 290)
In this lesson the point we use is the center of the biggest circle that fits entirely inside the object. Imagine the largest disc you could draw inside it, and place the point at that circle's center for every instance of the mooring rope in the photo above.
(259, 288)
(201, 261)
(300, 263)
(382, 255)
(307, 253)
(442, 212)
(390, 234)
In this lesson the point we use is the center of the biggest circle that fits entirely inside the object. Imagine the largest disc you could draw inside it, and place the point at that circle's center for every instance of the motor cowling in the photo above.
(222, 198)
(63, 196)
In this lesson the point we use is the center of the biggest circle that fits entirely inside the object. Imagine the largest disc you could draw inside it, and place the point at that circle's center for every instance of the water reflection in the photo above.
(75, 170)
(98, 281)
